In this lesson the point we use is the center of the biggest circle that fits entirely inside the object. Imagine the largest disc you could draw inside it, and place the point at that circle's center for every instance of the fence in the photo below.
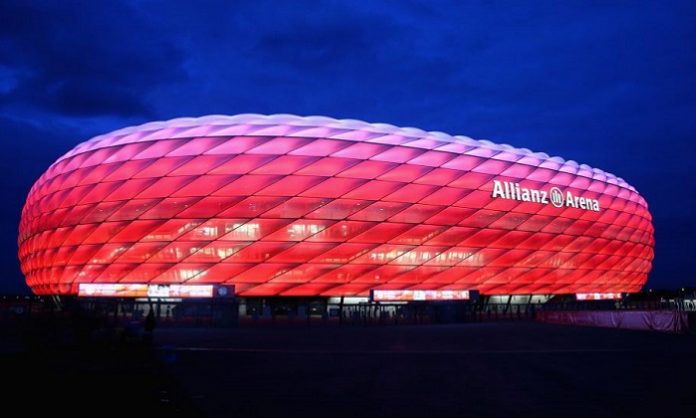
(131, 313)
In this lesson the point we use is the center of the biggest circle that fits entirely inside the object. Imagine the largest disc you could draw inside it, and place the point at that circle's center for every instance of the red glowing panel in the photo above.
(289, 206)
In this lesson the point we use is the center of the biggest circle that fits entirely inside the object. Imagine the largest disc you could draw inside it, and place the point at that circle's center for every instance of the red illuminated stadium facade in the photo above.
(312, 206)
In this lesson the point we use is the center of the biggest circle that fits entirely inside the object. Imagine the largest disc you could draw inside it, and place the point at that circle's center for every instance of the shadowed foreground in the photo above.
(482, 369)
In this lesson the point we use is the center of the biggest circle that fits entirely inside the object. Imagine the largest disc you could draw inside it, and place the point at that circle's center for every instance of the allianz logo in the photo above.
(513, 191)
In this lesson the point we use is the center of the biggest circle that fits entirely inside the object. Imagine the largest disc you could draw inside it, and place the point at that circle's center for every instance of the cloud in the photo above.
(84, 58)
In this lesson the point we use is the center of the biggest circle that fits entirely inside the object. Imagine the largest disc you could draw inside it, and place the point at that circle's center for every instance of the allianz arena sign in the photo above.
(554, 196)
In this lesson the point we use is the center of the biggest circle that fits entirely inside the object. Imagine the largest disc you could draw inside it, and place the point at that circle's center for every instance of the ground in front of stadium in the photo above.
(477, 369)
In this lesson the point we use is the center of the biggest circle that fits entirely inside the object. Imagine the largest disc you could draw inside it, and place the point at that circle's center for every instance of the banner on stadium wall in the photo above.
(378, 295)
(140, 290)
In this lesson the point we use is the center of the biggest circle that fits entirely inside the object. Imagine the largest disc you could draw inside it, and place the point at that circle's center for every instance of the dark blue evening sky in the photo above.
(610, 84)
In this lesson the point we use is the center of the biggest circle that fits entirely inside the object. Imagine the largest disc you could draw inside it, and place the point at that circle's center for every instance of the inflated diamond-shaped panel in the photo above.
(286, 205)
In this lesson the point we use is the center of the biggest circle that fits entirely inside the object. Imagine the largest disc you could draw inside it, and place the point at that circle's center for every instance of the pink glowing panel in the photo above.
(291, 206)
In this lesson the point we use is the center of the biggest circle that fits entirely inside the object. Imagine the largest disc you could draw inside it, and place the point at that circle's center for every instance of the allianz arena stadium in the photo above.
(283, 205)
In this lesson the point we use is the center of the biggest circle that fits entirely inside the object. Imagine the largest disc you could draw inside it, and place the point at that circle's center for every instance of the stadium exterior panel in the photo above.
(284, 205)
